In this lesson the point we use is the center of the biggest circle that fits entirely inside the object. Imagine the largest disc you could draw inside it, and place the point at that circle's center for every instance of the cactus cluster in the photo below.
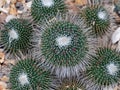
(63, 45)
(27, 75)
(16, 36)
(97, 17)
(105, 67)
(43, 10)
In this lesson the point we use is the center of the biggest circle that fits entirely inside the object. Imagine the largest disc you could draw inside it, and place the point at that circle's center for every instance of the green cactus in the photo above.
(97, 17)
(26, 75)
(43, 10)
(62, 44)
(104, 68)
(16, 36)
(66, 45)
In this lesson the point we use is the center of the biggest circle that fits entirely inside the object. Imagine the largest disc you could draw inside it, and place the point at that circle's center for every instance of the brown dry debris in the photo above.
(4, 79)
(2, 57)
(81, 2)
(13, 10)
(3, 85)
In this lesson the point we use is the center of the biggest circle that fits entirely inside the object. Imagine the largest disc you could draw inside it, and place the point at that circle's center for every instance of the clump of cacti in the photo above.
(27, 75)
(16, 36)
(66, 45)
(63, 45)
(104, 70)
(43, 10)
(97, 17)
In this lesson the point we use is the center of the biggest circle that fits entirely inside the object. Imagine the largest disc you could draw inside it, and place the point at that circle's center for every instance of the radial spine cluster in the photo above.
(105, 67)
(65, 45)
(16, 36)
(26, 75)
(43, 10)
(97, 17)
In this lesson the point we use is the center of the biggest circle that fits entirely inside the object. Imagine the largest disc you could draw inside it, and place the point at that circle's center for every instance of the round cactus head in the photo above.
(98, 18)
(26, 75)
(66, 43)
(62, 44)
(105, 67)
(16, 36)
(46, 9)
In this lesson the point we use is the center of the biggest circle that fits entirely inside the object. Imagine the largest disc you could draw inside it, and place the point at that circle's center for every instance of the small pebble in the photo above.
(29, 4)
(3, 85)
(19, 6)
(116, 36)
(27, 1)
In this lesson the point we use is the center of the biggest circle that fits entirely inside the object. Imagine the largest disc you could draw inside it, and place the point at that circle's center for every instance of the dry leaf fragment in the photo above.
(81, 2)
(2, 57)
(10, 62)
(13, 10)
(5, 79)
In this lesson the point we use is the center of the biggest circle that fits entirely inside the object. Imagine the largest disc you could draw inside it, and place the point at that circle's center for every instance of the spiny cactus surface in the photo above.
(105, 67)
(97, 17)
(16, 36)
(42, 10)
(26, 75)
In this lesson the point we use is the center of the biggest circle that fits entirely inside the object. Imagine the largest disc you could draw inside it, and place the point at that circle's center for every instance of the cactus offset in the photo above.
(105, 67)
(42, 10)
(26, 75)
(98, 18)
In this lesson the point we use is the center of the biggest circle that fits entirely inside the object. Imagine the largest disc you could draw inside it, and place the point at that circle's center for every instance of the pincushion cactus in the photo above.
(16, 36)
(26, 75)
(97, 17)
(43, 10)
(65, 45)
(104, 69)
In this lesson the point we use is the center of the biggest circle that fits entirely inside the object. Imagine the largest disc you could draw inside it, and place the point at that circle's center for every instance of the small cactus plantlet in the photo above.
(16, 36)
(27, 75)
(47, 9)
(98, 18)
(71, 84)
(65, 45)
(104, 69)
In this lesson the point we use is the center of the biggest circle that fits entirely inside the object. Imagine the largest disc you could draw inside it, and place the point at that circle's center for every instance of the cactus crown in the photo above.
(46, 9)
(104, 67)
(97, 17)
(16, 35)
(27, 75)
(62, 44)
